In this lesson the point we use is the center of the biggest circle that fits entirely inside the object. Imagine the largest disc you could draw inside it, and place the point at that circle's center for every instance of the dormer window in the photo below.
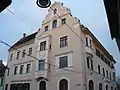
(54, 24)
(55, 11)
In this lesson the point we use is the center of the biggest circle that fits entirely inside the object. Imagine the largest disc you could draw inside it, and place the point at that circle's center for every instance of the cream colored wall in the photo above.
(25, 77)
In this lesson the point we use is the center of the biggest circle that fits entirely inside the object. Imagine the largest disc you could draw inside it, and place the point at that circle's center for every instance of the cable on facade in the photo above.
(69, 26)
(42, 34)
(39, 59)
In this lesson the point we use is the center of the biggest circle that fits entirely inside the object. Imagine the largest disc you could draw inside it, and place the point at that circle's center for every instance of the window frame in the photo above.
(63, 84)
(15, 70)
(21, 69)
(30, 51)
(46, 28)
(61, 60)
(63, 41)
(54, 24)
(43, 46)
(99, 71)
(11, 57)
(39, 65)
(28, 68)
(63, 21)
(18, 55)
(23, 53)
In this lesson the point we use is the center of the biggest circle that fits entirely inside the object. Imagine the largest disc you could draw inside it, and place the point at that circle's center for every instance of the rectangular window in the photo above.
(23, 53)
(106, 60)
(6, 87)
(103, 72)
(46, 28)
(114, 76)
(18, 54)
(42, 46)
(28, 68)
(30, 51)
(63, 41)
(98, 53)
(11, 57)
(21, 69)
(110, 76)
(99, 69)
(107, 73)
(8, 70)
(91, 64)
(15, 70)
(41, 65)
(1, 83)
(63, 62)
(90, 43)
(88, 62)
(102, 57)
(86, 38)
(64, 21)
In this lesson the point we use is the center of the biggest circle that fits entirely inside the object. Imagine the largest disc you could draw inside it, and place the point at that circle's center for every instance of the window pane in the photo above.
(42, 46)
(91, 85)
(91, 64)
(100, 86)
(15, 70)
(102, 57)
(63, 41)
(103, 72)
(18, 53)
(21, 69)
(86, 41)
(46, 28)
(64, 21)
(99, 69)
(63, 85)
(42, 85)
(30, 51)
(63, 62)
(23, 53)
(97, 52)
(54, 24)
(28, 68)
(11, 57)
(41, 65)
(88, 63)
(91, 43)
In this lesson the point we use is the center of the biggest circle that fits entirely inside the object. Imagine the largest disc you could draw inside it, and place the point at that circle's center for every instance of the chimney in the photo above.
(24, 35)
(0, 61)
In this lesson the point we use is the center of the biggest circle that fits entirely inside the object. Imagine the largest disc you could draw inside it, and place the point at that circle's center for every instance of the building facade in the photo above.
(2, 75)
(63, 55)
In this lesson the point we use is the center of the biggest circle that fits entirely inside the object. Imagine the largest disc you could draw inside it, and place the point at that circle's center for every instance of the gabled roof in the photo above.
(25, 39)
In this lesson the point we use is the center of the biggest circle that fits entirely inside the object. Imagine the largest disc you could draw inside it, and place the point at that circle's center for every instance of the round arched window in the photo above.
(63, 84)
(91, 85)
(42, 85)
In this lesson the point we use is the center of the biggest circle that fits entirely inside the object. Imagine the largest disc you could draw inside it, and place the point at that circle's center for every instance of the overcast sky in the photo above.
(27, 18)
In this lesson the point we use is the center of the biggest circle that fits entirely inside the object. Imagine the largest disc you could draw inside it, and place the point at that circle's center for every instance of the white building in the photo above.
(63, 55)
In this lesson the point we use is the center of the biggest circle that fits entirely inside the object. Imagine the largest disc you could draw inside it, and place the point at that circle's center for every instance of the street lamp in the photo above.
(4, 4)
(43, 3)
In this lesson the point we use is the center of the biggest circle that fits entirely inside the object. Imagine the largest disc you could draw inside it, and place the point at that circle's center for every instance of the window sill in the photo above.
(23, 74)
(60, 69)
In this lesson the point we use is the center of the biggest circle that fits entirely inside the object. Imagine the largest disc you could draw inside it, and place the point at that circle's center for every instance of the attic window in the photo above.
(55, 11)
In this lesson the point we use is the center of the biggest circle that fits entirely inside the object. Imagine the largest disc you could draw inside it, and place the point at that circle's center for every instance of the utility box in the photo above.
(4, 4)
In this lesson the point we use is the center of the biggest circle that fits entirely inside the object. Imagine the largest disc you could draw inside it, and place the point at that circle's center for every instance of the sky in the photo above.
(26, 17)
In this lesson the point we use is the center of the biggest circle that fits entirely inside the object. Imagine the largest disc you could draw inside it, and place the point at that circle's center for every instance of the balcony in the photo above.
(89, 50)
(41, 74)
